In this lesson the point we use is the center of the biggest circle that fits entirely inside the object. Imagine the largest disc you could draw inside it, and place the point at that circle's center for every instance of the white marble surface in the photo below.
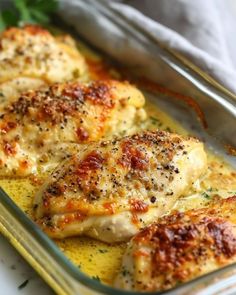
(14, 271)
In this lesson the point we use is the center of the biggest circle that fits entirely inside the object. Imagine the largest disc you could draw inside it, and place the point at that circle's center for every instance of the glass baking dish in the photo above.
(213, 100)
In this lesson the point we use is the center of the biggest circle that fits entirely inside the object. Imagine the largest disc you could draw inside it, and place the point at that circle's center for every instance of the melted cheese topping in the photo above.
(37, 126)
(31, 57)
(180, 247)
(101, 260)
(119, 182)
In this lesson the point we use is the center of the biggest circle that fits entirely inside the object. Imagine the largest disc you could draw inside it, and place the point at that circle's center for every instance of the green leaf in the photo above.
(39, 16)
(28, 11)
(21, 6)
(45, 5)
(9, 17)
(2, 23)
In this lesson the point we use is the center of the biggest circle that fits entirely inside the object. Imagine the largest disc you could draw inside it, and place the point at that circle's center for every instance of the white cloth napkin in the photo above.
(209, 26)
(201, 30)
(205, 24)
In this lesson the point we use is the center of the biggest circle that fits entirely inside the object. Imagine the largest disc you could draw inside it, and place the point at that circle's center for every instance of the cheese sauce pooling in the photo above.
(100, 260)
(97, 259)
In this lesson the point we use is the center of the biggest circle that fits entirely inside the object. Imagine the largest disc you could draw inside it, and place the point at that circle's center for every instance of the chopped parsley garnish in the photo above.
(103, 250)
(155, 121)
(206, 196)
(168, 129)
(96, 278)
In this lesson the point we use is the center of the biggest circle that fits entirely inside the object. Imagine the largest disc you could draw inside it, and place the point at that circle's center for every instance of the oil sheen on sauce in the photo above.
(99, 260)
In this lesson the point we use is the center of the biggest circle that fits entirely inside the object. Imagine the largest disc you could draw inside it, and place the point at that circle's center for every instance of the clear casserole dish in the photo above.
(46, 257)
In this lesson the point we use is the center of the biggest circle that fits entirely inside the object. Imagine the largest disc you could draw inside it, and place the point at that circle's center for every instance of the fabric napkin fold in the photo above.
(200, 30)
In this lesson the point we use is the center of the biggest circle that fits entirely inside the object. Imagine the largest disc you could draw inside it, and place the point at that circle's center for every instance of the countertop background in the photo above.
(14, 271)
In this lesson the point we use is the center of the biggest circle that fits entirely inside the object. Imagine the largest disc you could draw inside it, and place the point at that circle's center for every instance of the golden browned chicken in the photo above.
(113, 188)
(31, 57)
(42, 127)
(180, 247)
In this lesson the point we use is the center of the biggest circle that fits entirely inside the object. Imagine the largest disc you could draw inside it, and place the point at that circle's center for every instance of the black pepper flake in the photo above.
(35, 206)
(153, 199)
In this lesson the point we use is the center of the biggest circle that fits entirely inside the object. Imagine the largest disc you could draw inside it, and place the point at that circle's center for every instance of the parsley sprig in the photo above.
(27, 12)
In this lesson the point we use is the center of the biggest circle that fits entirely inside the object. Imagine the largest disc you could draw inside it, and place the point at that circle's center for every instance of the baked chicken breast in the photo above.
(31, 57)
(180, 247)
(113, 188)
(35, 128)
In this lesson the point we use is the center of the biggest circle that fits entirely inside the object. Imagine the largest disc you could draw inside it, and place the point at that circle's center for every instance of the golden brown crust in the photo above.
(61, 101)
(69, 112)
(33, 30)
(128, 155)
(179, 239)
(120, 175)
(185, 245)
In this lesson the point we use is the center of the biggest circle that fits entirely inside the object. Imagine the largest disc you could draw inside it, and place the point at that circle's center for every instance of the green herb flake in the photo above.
(103, 251)
(23, 285)
(206, 196)
(154, 119)
(96, 278)
(168, 129)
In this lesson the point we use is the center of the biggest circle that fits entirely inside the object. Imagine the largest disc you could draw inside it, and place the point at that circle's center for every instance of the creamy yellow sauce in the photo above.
(97, 259)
